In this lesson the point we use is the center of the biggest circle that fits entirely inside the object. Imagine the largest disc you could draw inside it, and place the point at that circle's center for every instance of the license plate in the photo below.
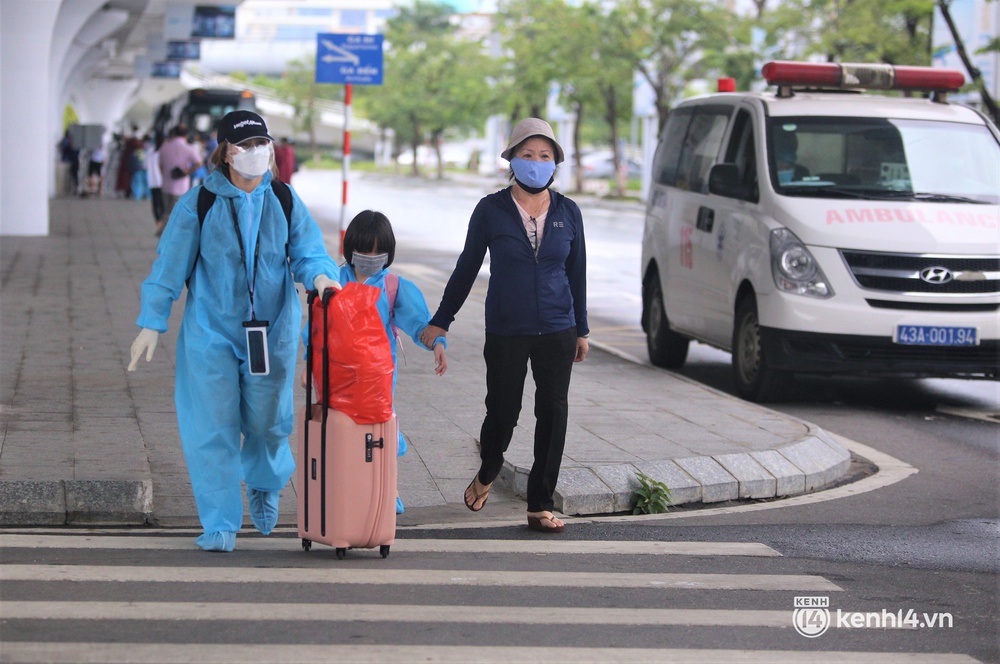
(935, 335)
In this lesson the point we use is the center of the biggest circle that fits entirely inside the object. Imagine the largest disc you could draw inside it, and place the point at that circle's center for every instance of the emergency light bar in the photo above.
(869, 76)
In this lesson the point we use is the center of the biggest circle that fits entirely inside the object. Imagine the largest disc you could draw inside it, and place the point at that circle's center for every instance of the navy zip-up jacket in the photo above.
(527, 295)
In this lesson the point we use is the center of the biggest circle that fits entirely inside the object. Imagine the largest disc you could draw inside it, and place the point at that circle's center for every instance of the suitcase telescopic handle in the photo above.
(313, 294)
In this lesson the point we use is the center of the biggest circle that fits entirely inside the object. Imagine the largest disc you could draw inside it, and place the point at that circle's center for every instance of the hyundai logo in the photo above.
(936, 275)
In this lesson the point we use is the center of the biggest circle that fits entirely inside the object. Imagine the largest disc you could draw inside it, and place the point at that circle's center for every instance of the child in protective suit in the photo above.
(369, 249)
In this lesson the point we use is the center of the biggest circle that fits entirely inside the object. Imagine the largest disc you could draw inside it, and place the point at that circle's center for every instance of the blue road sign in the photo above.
(349, 58)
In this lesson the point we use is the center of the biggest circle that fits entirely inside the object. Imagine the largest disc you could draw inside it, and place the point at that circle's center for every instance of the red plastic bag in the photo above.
(360, 359)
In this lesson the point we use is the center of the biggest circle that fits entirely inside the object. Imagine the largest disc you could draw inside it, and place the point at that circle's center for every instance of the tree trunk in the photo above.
(415, 169)
(621, 173)
(577, 165)
(977, 77)
(436, 138)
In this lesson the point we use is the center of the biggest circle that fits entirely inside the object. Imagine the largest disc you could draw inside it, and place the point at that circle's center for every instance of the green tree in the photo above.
(530, 31)
(977, 76)
(433, 81)
(455, 80)
(576, 57)
(736, 57)
(595, 76)
(889, 31)
(614, 80)
(669, 39)
(298, 88)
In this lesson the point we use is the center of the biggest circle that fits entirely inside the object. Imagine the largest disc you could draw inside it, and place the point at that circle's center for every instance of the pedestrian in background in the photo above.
(69, 154)
(154, 178)
(239, 267)
(178, 160)
(95, 171)
(138, 166)
(536, 313)
(200, 173)
(284, 157)
(124, 166)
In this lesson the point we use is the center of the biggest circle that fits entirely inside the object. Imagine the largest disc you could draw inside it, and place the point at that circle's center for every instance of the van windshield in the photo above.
(883, 159)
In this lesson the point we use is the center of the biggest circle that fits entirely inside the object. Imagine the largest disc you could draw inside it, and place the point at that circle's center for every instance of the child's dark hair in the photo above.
(366, 232)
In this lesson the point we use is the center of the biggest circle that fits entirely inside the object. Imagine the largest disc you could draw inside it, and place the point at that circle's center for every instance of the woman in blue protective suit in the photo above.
(238, 340)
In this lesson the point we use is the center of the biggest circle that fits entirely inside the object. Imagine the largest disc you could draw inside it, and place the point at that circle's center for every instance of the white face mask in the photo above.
(252, 162)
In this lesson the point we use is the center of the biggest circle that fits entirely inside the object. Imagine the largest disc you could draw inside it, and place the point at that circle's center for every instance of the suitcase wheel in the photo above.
(384, 550)
(306, 544)
(341, 552)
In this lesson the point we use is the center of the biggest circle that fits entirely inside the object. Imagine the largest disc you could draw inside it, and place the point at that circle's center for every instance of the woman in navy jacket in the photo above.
(536, 312)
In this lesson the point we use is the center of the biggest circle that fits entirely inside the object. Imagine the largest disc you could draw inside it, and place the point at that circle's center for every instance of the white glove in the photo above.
(322, 282)
(145, 342)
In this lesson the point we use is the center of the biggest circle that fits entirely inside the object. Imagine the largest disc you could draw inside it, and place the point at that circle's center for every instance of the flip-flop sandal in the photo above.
(535, 523)
(484, 496)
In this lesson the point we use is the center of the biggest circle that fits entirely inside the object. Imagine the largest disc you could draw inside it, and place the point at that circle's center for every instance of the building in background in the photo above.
(270, 33)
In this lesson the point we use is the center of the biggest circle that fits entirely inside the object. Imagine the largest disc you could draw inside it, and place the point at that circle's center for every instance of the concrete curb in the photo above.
(801, 467)
(76, 502)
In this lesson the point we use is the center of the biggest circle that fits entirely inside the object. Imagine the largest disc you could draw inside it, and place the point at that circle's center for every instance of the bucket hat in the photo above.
(237, 126)
(527, 128)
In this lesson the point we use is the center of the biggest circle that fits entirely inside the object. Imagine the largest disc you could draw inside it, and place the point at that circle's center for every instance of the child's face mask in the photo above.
(368, 265)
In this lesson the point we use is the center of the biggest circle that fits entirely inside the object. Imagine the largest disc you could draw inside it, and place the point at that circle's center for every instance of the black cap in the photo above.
(238, 126)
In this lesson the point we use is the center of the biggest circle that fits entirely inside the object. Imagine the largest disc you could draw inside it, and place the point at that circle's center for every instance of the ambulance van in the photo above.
(818, 228)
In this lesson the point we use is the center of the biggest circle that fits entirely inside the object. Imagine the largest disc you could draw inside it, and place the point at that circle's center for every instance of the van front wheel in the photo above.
(755, 379)
(666, 348)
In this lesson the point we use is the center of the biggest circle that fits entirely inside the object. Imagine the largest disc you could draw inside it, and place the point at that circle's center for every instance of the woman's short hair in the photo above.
(370, 231)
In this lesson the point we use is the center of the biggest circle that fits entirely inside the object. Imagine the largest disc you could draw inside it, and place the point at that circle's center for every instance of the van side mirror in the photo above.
(724, 180)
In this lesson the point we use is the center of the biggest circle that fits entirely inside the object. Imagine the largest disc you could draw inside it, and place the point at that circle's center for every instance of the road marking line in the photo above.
(970, 413)
(225, 653)
(267, 611)
(383, 576)
(562, 547)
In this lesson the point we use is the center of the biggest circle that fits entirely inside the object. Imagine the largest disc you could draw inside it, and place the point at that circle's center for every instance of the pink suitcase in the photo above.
(346, 478)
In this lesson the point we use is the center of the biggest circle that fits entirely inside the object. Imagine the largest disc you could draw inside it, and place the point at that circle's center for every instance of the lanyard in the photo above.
(251, 283)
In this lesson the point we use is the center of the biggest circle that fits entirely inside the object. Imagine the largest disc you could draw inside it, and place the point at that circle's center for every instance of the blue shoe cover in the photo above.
(263, 509)
(403, 446)
(217, 541)
(399, 505)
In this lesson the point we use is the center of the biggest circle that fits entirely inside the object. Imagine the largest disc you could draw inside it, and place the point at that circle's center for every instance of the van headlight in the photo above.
(794, 268)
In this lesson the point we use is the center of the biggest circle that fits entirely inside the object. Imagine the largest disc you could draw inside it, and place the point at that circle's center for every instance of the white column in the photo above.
(27, 154)
(69, 44)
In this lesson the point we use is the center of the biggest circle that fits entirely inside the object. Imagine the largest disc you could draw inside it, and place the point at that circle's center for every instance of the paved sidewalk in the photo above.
(86, 442)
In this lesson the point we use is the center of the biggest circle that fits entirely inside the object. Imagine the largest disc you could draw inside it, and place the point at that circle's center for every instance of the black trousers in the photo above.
(156, 196)
(507, 359)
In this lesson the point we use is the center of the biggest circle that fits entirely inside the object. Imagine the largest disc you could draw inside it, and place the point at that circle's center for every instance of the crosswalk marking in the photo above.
(367, 569)
(562, 547)
(344, 613)
(101, 653)
(386, 576)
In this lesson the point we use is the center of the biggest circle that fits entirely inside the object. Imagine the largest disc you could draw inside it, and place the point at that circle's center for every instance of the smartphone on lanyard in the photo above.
(257, 347)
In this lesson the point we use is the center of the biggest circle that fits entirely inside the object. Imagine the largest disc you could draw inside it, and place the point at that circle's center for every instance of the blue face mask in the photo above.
(535, 174)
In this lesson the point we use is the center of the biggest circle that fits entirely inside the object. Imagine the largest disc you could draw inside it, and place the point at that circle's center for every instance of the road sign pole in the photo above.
(347, 161)
(349, 59)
